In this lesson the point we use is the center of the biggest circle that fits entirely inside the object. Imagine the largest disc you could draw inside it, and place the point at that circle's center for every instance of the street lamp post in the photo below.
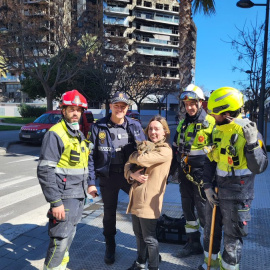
(249, 4)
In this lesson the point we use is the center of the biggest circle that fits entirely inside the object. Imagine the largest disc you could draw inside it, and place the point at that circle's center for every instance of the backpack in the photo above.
(171, 230)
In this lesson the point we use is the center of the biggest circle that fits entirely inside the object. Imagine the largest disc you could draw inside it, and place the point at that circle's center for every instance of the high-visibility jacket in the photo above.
(63, 164)
(202, 129)
(234, 162)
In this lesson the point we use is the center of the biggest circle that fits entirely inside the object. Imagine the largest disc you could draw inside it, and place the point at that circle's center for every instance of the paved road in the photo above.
(22, 204)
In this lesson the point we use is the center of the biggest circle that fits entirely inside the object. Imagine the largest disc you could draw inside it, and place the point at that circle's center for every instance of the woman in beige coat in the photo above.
(147, 191)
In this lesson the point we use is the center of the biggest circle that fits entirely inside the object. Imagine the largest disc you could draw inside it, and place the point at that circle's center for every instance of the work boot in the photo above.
(137, 266)
(109, 257)
(192, 247)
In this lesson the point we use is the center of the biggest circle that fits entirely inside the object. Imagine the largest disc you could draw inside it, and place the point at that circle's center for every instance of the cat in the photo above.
(143, 147)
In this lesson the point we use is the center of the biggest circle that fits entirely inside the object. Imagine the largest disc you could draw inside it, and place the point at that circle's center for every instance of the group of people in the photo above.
(218, 149)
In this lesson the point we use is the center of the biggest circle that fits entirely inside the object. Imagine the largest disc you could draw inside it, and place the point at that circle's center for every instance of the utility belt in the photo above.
(117, 168)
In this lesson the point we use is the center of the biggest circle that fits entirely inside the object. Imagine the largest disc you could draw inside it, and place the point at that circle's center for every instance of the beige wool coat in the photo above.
(145, 200)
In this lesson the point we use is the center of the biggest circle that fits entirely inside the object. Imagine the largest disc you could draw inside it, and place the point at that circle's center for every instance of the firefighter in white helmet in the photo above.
(192, 134)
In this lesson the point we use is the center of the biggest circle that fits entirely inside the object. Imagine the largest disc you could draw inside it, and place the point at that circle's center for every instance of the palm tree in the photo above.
(186, 30)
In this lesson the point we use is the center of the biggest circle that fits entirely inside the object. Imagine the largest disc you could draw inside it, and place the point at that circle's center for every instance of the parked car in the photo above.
(134, 115)
(34, 132)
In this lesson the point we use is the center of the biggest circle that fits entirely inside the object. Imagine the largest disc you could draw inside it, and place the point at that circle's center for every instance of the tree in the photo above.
(107, 65)
(42, 41)
(249, 48)
(185, 35)
(139, 81)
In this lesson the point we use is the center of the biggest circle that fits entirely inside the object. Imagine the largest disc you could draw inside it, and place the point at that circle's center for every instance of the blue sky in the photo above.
(215, 58)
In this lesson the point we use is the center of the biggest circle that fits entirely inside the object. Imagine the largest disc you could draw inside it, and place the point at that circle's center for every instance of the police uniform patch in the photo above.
(102, 136)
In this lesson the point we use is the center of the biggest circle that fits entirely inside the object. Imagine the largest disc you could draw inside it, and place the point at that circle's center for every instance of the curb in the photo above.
(4, 148)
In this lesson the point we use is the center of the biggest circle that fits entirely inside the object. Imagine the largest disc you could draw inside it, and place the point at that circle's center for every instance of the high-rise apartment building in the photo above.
(35, 33)
(151, 29)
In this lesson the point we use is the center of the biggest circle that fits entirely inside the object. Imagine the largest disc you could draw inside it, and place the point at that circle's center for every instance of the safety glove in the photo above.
(212, 196)
(249, 128)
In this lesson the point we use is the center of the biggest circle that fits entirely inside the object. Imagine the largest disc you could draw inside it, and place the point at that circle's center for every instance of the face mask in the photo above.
(74, 126)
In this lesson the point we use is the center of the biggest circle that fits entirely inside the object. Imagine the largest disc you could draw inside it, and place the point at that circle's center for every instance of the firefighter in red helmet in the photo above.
(62, 172)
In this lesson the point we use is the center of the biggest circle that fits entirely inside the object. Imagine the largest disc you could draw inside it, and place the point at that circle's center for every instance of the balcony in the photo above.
(157, 18)
(157, 9)
(115, 21)
(36, 1)
(157, 30)
(152, 51)
(158, 41)
(118, 10)
(39, 13)
(9, 78)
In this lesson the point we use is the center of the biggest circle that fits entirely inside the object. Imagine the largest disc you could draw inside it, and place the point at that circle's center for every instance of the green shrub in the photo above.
(31, 111)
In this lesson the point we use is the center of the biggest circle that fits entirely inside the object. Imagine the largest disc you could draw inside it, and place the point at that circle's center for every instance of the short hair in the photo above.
(163, 122)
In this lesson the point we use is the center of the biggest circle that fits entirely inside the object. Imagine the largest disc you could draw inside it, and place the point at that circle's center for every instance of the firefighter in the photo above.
(192, 134)
(235, 157)
(113, 139)
(62, 172)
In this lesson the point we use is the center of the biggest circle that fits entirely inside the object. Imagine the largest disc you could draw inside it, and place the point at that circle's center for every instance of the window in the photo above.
(176, 9)
(159, 6)
(166, 7)
(147, 4)
(157, 62)
(139, 2)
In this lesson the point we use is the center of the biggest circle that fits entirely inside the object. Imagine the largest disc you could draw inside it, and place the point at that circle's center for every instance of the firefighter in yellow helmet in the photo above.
(192, 134)
(236, 155)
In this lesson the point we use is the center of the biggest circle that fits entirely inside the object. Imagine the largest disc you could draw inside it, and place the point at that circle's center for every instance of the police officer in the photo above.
(237, 154)
(62, 172)
(113, 139)
(192, 134)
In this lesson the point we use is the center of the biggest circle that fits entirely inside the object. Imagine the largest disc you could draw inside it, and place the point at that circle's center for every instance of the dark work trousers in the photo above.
(191, 199)
(233, 216)
(109, 188)
(62, 232)
(147, 243)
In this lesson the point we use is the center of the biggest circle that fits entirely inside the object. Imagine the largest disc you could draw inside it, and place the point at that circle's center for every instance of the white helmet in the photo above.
(192, 92)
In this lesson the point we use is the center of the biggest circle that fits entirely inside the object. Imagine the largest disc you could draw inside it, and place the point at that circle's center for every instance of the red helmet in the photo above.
(73, 98)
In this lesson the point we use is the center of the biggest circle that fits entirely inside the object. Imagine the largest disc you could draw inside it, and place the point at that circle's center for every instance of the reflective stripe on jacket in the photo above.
(63, 164)
(204, 126)
(74, 159)
(227, 161)
(235, 168)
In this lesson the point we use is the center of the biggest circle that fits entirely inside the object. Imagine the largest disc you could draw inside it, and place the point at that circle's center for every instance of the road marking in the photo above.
(17, 181)
(19, 196)
(20, 160)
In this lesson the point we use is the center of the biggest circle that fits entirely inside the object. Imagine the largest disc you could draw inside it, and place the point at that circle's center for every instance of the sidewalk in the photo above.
(27, 252)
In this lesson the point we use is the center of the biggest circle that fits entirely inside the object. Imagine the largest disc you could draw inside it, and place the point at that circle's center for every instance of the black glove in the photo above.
(212, 196)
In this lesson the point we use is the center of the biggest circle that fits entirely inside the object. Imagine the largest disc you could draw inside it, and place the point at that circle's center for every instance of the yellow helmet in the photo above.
(225, 99)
